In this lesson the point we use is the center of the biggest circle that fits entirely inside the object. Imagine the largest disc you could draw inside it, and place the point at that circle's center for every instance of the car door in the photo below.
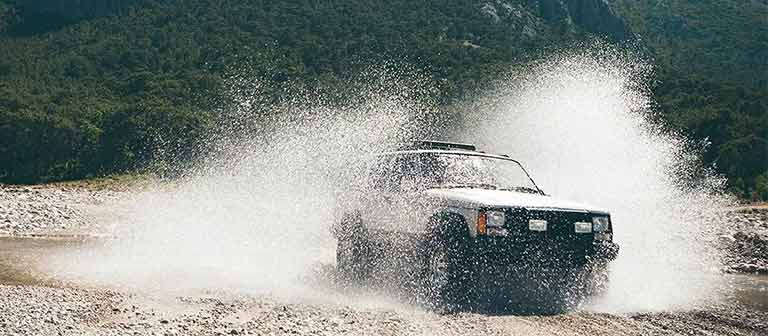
(390, 205)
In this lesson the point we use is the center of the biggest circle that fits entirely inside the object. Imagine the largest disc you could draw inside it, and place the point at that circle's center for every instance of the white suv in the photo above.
(475, 230)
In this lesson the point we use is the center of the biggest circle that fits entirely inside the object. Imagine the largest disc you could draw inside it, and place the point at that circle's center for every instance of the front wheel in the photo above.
(447, 273)
(352, 260)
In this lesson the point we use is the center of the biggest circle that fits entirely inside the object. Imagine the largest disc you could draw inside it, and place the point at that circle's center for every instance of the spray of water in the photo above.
(580, 123)
(254, 215)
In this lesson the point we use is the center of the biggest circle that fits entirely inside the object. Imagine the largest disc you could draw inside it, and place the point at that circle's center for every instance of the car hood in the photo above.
(503, 199)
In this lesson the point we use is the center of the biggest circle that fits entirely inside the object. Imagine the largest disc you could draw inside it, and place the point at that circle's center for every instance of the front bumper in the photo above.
(541, 275)
(606, 250)
(542, 252)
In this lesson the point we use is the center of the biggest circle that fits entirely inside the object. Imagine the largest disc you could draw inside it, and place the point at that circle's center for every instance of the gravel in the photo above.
(55, 309)
(26, 310)
(49, 311)
(746, 245)
(51, 210)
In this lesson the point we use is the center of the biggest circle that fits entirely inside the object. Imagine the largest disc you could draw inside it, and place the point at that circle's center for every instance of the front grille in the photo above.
(560, 226)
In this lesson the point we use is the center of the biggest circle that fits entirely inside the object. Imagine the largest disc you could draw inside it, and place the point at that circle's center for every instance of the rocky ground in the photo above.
(747, 244)
(31, 307)
(51, 210)
(29, 310)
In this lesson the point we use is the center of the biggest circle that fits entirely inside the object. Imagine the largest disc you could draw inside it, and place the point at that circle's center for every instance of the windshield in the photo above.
(403, 172)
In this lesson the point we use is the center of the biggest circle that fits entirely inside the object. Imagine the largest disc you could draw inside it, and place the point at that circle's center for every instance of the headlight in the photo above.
(491, 223)
(495, 218)
(601, 223)
(537, 225)
(582, 227)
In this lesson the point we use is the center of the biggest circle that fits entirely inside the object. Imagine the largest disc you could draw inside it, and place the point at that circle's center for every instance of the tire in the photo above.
(447, 276)
(593, 279)
(352, 260)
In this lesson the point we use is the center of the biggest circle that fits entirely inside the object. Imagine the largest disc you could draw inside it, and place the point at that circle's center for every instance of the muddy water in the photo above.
(750, 291)
(21, 258)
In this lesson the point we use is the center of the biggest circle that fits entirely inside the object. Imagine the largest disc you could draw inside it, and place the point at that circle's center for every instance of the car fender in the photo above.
(469, 216)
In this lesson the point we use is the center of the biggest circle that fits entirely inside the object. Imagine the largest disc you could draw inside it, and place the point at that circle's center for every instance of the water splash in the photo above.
(580, 122)
(254, 215)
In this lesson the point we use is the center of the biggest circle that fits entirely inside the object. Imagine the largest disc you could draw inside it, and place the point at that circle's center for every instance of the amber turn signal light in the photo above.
(482, 223)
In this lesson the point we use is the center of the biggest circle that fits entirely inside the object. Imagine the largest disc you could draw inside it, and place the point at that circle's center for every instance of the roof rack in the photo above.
(430, 144)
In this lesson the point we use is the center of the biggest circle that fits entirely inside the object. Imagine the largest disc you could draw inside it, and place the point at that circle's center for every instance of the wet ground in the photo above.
(750, 291)
(20, 259)
(33, 303)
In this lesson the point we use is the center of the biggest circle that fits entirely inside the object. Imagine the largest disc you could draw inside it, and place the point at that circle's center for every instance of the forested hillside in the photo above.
(712, 59)
(87, 85)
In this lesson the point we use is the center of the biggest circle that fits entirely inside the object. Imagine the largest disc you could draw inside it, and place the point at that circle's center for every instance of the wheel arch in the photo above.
(349, 224)
(449, 219)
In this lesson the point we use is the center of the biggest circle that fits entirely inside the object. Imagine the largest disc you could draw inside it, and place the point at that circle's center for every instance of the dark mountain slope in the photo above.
(86, 86)
(712, 58)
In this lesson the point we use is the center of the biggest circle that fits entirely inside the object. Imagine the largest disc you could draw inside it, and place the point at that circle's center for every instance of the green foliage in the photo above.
(722, 39)
(731, 117)
(761, 186)
(92, 87)
(85, 91)
(713, 78)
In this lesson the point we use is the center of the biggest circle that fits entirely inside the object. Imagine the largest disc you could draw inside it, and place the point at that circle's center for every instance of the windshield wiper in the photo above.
(523, 189)
(471, 185)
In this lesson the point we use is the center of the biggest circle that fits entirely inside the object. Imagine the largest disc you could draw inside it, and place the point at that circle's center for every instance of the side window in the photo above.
(403, 173)
(392, 172)
(381, 175)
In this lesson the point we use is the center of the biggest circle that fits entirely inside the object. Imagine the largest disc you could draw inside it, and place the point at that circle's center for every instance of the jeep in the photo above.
(472, 230)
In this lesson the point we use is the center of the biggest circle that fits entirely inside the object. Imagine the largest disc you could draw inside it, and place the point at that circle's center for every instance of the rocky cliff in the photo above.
(593, 16)
(531, 17)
